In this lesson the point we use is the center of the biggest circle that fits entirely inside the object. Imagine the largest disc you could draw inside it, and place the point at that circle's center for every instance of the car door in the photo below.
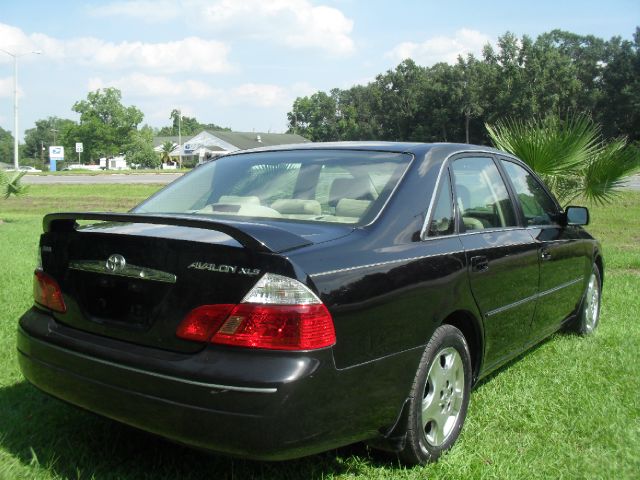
(502, 257)
(562, 254)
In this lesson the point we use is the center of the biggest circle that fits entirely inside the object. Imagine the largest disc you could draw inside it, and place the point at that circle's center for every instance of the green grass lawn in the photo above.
(110, 172)
(569, 408)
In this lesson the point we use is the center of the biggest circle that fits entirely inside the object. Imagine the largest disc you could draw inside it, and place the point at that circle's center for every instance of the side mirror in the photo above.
(577, 215)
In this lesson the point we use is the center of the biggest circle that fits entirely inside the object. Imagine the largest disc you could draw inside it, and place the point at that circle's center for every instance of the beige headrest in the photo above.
(238, 200)
(349, 207)
(288, 206)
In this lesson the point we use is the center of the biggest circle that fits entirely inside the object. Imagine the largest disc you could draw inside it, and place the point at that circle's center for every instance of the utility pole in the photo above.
(16, 163)
(180, 137)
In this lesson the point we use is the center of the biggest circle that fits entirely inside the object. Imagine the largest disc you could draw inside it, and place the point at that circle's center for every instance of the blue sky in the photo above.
(241, 63)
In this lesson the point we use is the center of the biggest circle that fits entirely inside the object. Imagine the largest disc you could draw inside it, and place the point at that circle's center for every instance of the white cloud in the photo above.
(14, 41)
(294, 23)
(441, 49)
(142, 85)
(297, 24)
(191, 54)
(255, 94)
(261, 95)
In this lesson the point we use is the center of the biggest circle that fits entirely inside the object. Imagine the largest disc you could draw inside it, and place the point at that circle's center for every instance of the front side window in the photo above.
(481, 195)
(442, 217)
(339, 186)
(537, 206)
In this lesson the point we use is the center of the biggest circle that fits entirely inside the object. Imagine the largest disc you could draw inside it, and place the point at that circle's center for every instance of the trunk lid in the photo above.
(137, 281)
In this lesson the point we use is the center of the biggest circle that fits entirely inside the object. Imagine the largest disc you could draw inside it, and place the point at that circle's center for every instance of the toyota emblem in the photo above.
(115, 263)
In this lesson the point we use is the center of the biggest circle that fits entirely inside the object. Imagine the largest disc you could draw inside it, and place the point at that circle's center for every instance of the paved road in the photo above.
(633, 183)
(114, 178)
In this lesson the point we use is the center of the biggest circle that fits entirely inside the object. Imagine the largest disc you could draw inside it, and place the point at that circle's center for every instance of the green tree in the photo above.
(558, 73)
(315, 117)
(473, 102)
(43, 135)
(139, 149)
(588, 55)
(440, 116)
(358, 117)
(167, 148)
(619, 106)
(570, 155)
(189, 126)
(401, 99)
(6, 146)
(106, 126)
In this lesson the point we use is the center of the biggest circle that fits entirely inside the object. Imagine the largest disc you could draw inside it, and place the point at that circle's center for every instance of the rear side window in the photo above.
(537, 206)
(481, 195)
(338, 186)
(442, 218)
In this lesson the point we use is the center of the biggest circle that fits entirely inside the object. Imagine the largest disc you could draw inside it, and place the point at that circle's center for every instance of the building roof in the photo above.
(158, 141)
(244, 140)
(225, 141)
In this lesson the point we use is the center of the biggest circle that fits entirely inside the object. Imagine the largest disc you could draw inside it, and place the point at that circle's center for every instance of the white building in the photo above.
(214, 143)
(114, 163)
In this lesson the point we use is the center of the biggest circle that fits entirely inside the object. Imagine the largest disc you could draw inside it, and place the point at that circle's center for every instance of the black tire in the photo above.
(588, 316)
(444, 392)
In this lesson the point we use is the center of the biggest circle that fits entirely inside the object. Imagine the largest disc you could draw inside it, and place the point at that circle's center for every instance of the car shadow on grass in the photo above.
(47, 434)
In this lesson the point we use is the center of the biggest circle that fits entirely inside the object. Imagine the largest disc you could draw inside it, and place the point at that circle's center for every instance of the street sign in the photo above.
(79, 147)
(56, 153)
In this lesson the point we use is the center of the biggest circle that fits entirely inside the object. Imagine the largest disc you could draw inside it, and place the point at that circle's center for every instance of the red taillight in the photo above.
(278, 327)
(278, 313)
(47, 293)
(202, 322)
(275, 327)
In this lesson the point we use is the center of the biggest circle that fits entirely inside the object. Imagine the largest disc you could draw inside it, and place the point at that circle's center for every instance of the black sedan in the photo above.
(279, 302)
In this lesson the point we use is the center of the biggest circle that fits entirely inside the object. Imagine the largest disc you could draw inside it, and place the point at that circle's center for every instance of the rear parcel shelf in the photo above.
(253, 236)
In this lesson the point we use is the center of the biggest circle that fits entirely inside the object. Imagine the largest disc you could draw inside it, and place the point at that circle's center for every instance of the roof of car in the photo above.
(409, 147)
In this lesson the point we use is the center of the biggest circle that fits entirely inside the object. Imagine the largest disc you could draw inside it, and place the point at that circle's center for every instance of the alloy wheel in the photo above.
(443, 396)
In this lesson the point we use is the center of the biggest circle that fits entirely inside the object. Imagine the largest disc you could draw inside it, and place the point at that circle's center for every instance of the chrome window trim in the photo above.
(445, 162)
(494, 230)
(538, 180)
(424, 231)
(383, 207)
(476, 232)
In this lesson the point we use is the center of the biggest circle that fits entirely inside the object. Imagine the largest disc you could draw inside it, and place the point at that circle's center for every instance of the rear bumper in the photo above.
(261, 405)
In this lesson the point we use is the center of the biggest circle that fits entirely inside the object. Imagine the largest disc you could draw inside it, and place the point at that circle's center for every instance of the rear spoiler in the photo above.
(254, 236)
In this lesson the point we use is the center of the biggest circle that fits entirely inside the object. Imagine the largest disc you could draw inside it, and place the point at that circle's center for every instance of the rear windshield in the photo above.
(339, 186)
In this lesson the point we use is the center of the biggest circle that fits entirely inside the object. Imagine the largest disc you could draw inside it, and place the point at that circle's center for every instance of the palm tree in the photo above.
(569, 155)
(12, 185)
(167, 148)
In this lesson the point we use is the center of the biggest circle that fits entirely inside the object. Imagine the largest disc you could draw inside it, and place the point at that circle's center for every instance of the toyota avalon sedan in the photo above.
(280, 302)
